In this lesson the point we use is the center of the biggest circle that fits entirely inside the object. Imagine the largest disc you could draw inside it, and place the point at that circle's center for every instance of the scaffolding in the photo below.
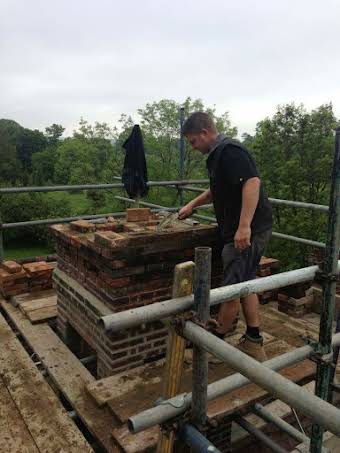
(318, 407)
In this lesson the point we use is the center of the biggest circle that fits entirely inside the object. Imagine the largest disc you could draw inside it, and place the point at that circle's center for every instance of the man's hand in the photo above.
(185, 212)
(242, 238)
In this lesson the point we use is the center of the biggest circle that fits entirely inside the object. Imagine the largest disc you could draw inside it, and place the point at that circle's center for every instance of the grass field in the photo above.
(26, 249)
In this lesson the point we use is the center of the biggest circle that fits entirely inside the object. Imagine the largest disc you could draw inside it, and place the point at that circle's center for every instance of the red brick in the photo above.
(282, 297)
(7, 277)
(38, 268)
(118, 264)
(119, 282)
(110, 239)
(83, 226)
(11, 266)
(138, 214)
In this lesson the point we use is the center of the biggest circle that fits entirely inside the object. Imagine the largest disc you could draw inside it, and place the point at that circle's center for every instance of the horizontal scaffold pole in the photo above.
(160, 310)
(287, 391)
(213, 219)
(177, 405)
(67, 188)
(6, 226)
(195, 440)
(275, 201)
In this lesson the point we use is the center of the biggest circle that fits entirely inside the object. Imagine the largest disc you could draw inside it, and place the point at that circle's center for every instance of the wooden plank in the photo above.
(42, 412)
(107, 389)
(142, 393)
(15, 437)
(42, 315)
(250, 394)
(67, 373)
(20, 299)
(143, 442)
(36, 304)
(182, 286)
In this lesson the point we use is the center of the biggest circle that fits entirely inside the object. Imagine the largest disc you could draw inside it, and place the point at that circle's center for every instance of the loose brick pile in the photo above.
(267, 267)
(295, 300)
(16, 279)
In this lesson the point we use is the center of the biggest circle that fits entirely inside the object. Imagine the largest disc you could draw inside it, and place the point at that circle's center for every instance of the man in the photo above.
(244, 218)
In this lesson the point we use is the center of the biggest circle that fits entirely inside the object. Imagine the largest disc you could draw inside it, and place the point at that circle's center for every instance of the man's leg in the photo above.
(226, 315)
(251, 310)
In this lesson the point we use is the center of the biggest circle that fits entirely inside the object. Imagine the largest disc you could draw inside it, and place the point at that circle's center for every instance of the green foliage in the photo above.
(76, 163)
(28, 143)
(160, 126)
(294, 152)
(53, 134)
(43, 164)
(30, 206)
(10, 167)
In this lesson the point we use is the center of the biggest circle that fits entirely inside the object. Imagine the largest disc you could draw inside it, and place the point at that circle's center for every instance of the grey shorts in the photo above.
(242, 266)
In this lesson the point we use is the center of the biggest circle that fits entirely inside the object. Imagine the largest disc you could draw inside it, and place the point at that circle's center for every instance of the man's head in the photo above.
(200, 131)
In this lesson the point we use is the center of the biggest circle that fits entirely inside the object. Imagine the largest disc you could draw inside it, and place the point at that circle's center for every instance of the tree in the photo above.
(43, 164)
(10, 167)
(160, 126)
(53, 134)
(29, 142)
(294, 152)
(30, 206)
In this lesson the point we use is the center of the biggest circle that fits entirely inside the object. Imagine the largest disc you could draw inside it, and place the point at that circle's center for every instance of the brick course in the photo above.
(122, 272)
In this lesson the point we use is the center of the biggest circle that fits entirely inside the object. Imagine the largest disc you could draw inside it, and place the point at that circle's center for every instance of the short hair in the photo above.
(198, 121)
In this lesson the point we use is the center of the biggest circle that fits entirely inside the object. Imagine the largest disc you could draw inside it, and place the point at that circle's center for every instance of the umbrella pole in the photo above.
(137, 200)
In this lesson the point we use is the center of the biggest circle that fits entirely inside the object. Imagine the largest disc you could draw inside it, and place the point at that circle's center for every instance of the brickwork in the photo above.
(123, 265)
(16, 279)
(126, 265)
(266, 267)
(130, 348)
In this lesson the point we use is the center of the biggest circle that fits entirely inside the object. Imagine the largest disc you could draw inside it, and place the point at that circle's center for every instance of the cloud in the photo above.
(66, 59)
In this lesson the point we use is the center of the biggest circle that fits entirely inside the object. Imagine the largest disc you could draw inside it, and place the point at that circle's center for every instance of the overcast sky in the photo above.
(60, 60)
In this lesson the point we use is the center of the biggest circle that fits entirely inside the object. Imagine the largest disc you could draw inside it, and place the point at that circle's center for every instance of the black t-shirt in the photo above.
(230, 165)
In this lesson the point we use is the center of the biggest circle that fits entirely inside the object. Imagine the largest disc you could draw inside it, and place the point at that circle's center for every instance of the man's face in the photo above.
(202, 141)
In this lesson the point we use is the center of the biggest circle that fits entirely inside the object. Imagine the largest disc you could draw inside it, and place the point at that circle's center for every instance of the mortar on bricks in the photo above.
(117, 265)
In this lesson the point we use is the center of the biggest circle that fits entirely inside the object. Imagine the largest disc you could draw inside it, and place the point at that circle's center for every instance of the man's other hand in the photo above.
(242, 238)
(185, 212)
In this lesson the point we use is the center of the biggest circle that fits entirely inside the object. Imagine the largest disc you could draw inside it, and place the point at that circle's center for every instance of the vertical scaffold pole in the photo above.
(200, 357)
(2, 253)
(181, 154)
(329, 276)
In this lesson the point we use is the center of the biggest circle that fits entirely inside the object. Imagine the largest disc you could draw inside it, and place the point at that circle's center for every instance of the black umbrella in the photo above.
(135, 175)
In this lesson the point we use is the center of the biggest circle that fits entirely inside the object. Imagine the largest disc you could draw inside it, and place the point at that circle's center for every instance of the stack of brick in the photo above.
(267, 267)
(13, 279)
(316, 292)
(124, 264)
(295, 300)
(296, 308)
(16, 279)
(40, 275)
(129, 264)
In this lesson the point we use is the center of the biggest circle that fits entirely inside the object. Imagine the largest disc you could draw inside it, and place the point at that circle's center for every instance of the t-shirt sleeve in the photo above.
(237, 165)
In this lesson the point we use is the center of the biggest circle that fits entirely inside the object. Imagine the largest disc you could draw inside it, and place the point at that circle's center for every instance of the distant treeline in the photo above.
(293, 150)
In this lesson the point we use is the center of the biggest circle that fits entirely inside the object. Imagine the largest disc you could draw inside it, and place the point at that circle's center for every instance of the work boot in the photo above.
(253, 347)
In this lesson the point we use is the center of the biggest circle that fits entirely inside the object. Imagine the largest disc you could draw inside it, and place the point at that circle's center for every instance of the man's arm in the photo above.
(187, 210)
(250, 198)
